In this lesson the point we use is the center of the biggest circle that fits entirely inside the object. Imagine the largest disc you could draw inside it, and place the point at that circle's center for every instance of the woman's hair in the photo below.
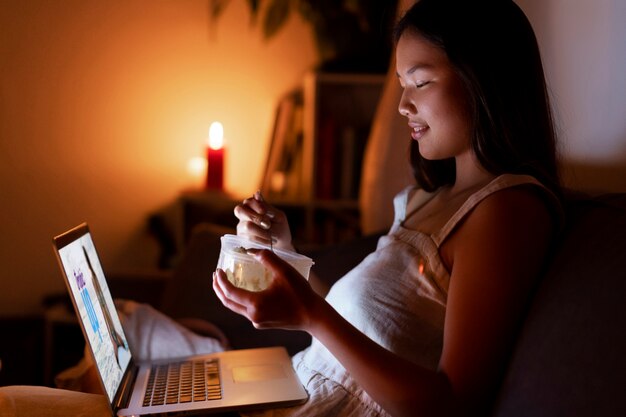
(493, 49)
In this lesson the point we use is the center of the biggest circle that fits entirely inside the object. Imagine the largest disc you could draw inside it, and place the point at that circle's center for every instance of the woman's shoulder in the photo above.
(514, 204)
(515, 193)
(519, 193)
(521, 200)
(505, 198)
(514, 220)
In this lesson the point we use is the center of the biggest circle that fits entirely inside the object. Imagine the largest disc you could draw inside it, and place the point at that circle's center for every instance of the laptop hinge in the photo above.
(123, 394)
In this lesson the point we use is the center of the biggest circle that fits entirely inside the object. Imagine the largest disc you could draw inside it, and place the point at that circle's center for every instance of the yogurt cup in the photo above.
(244, 271)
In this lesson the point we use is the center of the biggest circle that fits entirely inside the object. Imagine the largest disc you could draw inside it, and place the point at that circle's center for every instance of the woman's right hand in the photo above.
(289, 302)
(262, 222)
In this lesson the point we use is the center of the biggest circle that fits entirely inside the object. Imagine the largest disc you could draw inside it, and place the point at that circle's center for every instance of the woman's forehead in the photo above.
(414, 53)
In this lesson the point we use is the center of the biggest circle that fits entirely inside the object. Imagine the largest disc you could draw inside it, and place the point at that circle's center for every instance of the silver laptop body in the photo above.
(236, 380)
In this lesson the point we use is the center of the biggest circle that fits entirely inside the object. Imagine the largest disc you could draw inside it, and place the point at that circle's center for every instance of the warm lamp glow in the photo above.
(216, 135)
(196, 166)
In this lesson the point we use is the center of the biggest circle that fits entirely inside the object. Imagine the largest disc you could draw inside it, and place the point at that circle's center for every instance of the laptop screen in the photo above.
(94, 306)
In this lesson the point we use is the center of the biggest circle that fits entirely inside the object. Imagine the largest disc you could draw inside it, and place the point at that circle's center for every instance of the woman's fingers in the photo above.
(224, 291)
(255, 220)
(263, 222)
(273, 261)
(235, 299)
(285, 303)
(247, 213)
(256, 206)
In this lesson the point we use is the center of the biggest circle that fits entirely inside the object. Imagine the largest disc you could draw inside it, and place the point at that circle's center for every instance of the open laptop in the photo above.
(236, 380)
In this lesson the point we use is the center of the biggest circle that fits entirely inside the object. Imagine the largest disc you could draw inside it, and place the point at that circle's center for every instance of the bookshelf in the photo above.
(313, 169)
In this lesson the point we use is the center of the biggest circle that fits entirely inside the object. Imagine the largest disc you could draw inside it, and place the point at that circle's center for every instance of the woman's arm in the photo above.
(494, 257)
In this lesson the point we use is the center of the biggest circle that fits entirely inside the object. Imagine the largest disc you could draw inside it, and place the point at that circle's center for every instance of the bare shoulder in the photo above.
(513, 221)
(515, 202)
(521, 207)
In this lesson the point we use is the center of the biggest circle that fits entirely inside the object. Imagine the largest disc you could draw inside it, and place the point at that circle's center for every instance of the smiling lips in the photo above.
(417, 130)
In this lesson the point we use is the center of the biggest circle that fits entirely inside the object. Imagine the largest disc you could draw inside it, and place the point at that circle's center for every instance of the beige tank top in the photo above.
(397, 296)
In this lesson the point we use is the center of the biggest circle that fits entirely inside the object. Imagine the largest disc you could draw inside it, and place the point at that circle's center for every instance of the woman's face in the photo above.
(433, 100)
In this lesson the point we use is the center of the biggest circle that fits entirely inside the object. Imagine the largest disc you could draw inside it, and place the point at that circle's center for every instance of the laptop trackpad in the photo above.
(258, 373)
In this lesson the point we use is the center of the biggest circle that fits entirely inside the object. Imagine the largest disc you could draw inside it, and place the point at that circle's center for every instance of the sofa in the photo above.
(569, 356)
(569, 359)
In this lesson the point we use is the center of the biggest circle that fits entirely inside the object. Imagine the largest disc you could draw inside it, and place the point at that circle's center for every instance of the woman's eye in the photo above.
(421, 84)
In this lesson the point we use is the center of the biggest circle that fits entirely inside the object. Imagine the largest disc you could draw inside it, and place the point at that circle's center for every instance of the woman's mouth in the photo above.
(417, 131)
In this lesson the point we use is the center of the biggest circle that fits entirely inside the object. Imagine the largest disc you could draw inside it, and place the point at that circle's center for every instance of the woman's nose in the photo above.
(405, 107)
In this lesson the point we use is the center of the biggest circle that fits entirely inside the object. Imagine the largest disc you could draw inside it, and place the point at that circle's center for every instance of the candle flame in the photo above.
(216, 136)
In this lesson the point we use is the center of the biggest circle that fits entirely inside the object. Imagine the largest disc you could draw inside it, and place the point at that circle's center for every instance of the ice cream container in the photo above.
(246, 272)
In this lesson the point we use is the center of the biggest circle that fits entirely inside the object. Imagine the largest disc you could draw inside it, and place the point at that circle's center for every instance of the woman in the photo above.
(425, 324)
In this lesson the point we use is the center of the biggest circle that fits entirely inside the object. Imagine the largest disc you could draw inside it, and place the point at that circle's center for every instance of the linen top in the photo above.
(396, 296)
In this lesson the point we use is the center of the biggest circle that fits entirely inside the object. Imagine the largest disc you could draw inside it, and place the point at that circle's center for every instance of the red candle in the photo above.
(215, 158)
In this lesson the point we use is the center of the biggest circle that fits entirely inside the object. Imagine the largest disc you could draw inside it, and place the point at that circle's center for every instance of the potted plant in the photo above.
(350, 35)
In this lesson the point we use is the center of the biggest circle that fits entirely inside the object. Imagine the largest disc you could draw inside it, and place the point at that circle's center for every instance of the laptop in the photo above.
(236, 380)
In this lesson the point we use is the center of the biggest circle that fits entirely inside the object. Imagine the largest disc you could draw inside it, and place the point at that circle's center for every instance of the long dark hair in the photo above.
(493, 48)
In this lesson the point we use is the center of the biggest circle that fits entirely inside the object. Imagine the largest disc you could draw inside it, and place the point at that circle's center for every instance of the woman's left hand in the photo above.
(288, 303)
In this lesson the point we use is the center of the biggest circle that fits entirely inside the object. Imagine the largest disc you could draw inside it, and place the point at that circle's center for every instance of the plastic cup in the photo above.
(244, 271)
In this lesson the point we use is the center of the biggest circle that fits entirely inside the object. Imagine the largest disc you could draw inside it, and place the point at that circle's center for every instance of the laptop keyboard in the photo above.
(183, 382)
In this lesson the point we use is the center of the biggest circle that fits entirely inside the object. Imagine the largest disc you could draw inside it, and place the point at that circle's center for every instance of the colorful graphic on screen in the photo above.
(95, 304)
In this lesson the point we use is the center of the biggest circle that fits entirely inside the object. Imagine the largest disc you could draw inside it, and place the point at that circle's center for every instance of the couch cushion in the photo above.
(569, 360)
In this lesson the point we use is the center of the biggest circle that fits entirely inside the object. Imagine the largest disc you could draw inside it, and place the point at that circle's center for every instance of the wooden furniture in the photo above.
(314, 166)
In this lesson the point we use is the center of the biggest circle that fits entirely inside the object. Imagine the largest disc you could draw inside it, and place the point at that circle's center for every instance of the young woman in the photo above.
(425, 324)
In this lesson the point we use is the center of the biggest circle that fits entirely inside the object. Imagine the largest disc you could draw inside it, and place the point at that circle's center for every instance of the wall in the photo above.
(103, 103)
(584, 51)
(583, 44)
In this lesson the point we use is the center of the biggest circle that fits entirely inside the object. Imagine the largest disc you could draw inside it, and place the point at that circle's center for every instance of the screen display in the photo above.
(96, 311)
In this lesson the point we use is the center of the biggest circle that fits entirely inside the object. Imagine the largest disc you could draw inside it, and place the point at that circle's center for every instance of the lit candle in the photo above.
(215, 157)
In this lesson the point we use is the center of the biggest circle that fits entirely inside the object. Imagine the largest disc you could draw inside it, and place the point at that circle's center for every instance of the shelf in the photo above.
(316, 153)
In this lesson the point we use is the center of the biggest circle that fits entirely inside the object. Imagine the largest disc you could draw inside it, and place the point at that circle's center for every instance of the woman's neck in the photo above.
(470, 175)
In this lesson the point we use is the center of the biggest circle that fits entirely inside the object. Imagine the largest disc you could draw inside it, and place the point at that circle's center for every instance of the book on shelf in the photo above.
(293, 159)
(326, 160)
(315, 156)
(340, 151)
(283, 170)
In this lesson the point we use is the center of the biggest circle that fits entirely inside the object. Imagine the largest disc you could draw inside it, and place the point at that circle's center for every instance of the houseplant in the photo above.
(350, 35)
